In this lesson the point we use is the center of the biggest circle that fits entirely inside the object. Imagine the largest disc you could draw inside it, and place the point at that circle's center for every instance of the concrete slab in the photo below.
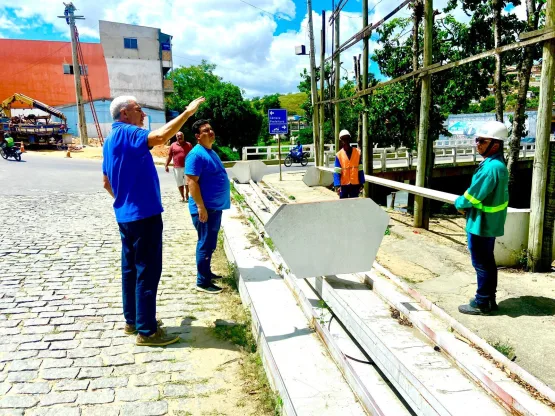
(348, 246)
(297, 363)
(427, 380)
(442, 330)
(317, 177)
(245, 171)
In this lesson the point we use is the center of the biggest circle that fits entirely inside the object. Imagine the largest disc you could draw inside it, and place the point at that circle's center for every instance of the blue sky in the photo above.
(251, 44)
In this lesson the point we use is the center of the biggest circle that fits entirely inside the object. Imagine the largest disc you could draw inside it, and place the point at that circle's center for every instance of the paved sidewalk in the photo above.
(62, 348)
(437, 264)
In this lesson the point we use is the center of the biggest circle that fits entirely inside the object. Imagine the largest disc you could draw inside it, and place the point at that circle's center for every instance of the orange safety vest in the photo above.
(349, 168)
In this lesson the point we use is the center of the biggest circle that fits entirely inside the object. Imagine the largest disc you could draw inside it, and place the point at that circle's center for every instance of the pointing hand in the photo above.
(195, 104)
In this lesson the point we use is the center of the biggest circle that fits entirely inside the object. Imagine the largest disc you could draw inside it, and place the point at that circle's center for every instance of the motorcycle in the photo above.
(294, 157)
(14, 152)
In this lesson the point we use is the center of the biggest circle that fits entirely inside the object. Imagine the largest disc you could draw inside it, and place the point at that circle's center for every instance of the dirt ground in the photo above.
(159, 153)
(437, 263)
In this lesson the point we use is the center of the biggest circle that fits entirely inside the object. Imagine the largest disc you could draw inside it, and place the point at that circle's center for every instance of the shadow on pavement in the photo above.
(527, 306)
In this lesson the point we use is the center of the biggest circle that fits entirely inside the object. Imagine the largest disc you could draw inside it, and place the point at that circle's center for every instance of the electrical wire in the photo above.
(66, 44)
(262, 10)
(348, 356)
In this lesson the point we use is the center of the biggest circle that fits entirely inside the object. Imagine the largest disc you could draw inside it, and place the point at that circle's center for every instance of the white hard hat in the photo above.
(344, 133)
(493, 130)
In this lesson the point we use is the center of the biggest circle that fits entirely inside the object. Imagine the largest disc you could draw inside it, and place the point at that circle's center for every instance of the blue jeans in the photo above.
(206, 245)
(349, 191)
(141, 268)
(483, 260)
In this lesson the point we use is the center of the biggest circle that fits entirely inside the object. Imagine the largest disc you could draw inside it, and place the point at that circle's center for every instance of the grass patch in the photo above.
(239, 334)
(521, 259)
(256, 386)
(269, 243)
(292, 102)
(236, 195)
(504, 348)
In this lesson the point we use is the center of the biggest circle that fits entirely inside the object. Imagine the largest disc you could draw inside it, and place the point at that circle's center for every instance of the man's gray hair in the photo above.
(119, 103)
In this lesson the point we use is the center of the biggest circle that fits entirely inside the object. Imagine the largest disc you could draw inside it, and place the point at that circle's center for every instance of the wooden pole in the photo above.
(367, 147)
(81, 121)
(425, 102)
(549, 220)
(314, 91)
(498, 88)
(541, 157)
(322, 89)
(337, 80)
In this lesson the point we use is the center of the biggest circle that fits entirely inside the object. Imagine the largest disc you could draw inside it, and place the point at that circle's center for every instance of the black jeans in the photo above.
(481, 252)
(141, 268)
(349, 191)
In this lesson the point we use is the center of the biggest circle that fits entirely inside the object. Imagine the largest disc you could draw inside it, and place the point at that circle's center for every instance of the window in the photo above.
(130, 43)
(68, 69)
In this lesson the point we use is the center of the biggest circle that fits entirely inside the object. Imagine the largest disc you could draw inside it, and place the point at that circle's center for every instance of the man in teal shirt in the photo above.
(485, 205)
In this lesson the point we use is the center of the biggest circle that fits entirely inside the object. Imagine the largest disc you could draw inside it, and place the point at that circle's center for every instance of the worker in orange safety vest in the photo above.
(348, 176)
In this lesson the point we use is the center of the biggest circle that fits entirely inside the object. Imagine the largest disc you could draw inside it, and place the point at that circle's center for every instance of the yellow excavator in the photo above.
(31, 128)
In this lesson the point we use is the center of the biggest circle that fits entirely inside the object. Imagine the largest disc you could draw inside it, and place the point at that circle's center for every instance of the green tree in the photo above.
(392, 109)
(236, 122)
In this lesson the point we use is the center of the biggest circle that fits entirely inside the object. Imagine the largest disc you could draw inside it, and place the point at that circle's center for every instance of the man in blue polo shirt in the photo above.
(209, 188)
(131, 178)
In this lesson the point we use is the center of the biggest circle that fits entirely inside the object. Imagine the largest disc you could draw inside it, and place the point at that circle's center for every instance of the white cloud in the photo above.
(237, 37)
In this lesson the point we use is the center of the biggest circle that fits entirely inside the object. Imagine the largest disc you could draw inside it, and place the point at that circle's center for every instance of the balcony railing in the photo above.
(168, 85)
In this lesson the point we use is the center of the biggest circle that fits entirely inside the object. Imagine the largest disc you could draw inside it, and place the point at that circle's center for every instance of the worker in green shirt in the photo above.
(485, 205)
(5, 140)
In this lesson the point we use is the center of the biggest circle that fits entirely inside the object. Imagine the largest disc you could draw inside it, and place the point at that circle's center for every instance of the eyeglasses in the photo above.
(482, 141)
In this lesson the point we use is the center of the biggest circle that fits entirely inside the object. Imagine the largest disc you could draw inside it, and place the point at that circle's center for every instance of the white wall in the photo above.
(112, 34)
(141, 78)
(138, 71)
(509, 247)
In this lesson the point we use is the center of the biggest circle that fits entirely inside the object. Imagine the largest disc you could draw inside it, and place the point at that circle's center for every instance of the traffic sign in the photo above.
(277, 121)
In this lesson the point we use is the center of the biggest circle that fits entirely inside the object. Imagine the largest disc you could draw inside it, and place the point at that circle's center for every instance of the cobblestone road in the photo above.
(62, 348)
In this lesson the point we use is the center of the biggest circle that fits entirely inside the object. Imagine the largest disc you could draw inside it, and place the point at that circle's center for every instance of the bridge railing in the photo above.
(395, 157)
(405, 158)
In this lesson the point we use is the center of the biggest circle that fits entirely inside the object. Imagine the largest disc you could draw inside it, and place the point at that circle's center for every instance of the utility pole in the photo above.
(367, 147)
(69, 15)
(315, 117)
(425, 103)
(322, 89)
(541, 157)
(336, 82)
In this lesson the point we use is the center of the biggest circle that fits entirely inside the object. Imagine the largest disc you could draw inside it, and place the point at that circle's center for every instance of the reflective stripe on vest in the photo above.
(349, 167)
(478, 204)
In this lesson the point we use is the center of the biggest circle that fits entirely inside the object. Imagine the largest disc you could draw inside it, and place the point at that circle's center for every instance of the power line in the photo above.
(41, 59)
(262, 10)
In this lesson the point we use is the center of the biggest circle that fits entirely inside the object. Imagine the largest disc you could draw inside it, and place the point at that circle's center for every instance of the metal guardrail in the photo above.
(446, 152)
(453, 155)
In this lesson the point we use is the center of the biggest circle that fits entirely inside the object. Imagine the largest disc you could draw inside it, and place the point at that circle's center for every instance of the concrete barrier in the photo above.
(509, 249)
(317, 177)
(247, 171)
(329, 237)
